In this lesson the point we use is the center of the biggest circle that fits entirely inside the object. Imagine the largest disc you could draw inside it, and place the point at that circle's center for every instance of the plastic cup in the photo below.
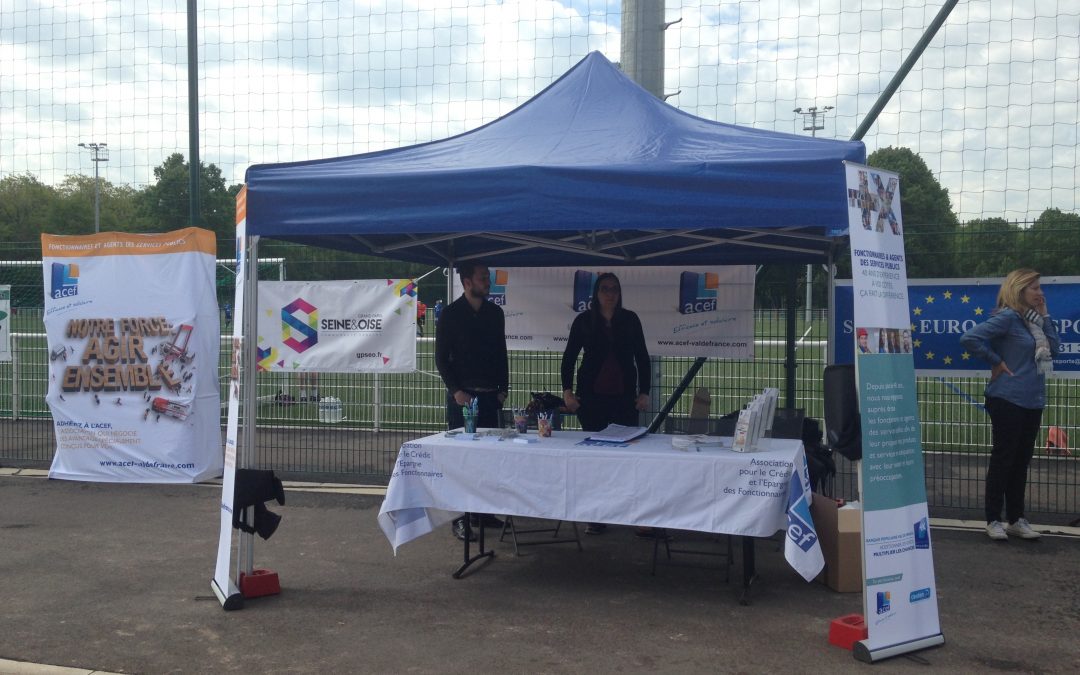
(521, 423)
(470, 425)
(543, 427)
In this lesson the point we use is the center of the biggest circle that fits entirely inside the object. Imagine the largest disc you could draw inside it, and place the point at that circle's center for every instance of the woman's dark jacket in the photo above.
(628, 341)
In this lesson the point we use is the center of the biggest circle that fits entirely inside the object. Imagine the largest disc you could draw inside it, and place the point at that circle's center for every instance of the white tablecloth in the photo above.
(648, 483)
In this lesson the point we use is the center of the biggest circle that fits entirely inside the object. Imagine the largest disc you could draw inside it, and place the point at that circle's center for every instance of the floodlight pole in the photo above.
(810, 123)
(810, 118)
(195, 165)
(100, 154)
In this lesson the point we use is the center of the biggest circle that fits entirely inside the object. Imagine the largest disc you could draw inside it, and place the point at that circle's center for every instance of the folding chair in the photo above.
(510, 526)
(722, 426)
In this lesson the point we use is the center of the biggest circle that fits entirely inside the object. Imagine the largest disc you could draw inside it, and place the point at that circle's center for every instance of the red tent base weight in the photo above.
(846, 630)
(259, 583)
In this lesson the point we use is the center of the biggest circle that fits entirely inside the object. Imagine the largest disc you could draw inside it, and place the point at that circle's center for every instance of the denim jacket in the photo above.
(1005, 337)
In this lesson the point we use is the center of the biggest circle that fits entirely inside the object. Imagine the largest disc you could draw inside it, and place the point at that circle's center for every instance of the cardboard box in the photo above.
(839, 533)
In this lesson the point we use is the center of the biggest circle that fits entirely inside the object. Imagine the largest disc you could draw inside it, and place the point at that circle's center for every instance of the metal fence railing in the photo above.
(379, 412)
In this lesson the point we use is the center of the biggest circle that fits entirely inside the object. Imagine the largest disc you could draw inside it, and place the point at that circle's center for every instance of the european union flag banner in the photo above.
(941, 311)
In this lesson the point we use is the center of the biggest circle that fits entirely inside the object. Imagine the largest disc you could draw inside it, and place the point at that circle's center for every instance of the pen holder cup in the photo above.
(555, 417)
(521, 423)
(470, 425)
(543, 427)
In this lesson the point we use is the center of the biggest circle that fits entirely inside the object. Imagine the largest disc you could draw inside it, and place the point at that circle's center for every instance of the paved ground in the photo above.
(116, 578)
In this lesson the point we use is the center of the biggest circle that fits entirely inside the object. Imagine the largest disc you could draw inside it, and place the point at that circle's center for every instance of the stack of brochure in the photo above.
(617, 433)
(755, 420)
(696, 443)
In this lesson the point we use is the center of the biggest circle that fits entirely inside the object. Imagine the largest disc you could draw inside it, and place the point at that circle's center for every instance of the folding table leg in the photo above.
(749, 571)
(481, 553)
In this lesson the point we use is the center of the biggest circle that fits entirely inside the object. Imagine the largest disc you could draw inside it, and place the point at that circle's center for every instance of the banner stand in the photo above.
(231, 599)
(245, 559)
(240, 433)
(866, 655)
(900, 602)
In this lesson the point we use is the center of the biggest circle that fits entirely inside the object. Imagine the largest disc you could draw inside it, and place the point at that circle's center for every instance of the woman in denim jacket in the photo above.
(1019, 341)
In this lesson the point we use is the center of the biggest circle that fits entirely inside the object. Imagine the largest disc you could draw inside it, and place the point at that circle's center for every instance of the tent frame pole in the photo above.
(680, 389)
(245, 557)
(789, 344)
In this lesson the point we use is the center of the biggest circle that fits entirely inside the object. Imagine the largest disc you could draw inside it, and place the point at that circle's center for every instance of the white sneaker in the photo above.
(1022, 528)
(996, 531)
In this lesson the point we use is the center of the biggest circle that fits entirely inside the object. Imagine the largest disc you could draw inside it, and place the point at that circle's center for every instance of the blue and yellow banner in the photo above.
(941, 311)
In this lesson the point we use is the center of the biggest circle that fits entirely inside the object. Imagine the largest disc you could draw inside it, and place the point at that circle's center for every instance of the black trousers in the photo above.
(599, 410)
(1013, 431)
(487, 411)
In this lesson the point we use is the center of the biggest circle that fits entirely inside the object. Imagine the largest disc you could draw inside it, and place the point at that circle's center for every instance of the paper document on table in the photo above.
(617, 433)
(696, 442)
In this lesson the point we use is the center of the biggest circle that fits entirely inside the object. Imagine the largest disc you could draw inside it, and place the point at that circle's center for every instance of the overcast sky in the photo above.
(992, 106)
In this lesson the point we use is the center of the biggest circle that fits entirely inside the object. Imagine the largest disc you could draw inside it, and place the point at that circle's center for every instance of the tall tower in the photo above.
(641, 53)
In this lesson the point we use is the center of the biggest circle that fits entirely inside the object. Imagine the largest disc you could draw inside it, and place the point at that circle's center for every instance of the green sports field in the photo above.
(950, 408)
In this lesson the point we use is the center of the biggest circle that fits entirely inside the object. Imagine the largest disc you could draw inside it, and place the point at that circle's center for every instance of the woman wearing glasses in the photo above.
(613, 379)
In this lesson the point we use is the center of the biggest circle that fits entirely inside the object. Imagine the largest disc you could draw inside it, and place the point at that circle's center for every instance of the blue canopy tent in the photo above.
(592, 170)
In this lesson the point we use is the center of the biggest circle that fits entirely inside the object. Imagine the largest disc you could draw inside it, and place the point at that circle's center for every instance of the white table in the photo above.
(647, 483)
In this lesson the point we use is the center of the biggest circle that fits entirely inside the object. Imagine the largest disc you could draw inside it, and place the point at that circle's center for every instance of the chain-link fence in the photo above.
(379, 412)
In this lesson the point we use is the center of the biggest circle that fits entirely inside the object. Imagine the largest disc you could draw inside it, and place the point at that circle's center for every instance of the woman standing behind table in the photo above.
(1019, 341)
(614, 378)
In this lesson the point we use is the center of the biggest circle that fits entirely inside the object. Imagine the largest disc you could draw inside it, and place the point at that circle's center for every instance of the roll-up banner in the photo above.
(699, 311)
(337, 326)
(223, 585)
(132, 328)
(899, 595)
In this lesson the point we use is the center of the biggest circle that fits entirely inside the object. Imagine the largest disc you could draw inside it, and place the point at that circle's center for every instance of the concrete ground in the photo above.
(115, 578)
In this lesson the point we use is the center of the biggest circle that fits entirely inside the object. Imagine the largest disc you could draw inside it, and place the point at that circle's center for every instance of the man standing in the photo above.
(470, 351)
(421, 317)
(864, 341)
(470, 354)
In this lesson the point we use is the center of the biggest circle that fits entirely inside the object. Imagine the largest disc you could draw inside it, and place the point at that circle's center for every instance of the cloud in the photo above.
(992, 107)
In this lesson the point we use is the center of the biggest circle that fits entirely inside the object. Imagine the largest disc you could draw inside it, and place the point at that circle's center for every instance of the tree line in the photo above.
(29, 207)
(937, 244)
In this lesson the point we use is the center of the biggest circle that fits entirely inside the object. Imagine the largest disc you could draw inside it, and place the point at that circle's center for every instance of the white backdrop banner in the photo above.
(133, 334)
(700, 311)
(337, 326)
